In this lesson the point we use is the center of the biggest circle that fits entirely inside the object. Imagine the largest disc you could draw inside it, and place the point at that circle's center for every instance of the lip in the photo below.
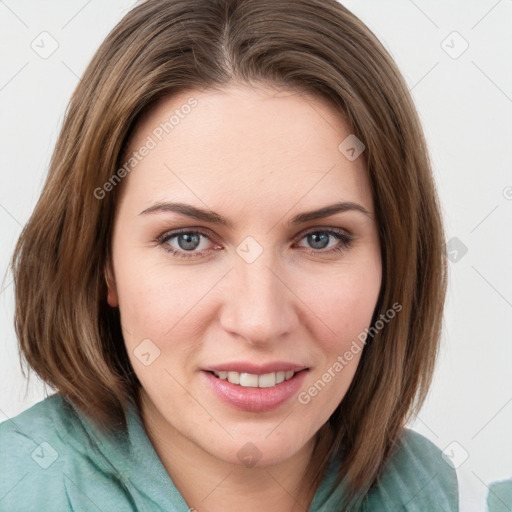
(256, 369)
(254, 399)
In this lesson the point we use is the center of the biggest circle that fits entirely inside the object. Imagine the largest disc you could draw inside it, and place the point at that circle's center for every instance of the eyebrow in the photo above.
(215, 218)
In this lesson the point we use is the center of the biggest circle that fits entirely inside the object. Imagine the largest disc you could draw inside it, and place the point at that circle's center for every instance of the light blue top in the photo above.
(53, 459)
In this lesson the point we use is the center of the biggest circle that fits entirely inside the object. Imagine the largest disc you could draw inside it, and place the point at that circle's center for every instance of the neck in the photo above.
(209, 484)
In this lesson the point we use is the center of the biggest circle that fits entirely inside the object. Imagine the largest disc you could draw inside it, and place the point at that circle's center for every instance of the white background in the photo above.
(465, 104)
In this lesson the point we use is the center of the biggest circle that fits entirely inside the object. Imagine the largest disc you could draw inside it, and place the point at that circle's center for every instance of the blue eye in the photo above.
(187, 242)
(319, 240)
(194, 244)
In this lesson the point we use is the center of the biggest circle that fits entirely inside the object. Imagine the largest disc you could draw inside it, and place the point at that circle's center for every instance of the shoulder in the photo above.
(32, 455)
(50, 462)
(51, 425)
(415, 478)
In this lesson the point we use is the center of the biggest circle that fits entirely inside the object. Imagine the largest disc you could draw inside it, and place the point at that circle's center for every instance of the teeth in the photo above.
(233, 377)
(267, 381)
(248, 380)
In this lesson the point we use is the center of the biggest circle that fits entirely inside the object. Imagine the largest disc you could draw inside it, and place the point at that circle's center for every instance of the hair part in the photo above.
(67, 332)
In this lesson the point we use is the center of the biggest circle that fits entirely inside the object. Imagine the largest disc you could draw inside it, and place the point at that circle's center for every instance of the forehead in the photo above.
(252, 143)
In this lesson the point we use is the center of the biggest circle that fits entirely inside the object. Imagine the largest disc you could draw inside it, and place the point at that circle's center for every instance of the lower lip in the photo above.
(255, 399)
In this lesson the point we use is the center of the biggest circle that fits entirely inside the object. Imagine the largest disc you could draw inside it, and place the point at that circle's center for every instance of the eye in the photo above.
(185, 244)
(188, 243)
(332, 240)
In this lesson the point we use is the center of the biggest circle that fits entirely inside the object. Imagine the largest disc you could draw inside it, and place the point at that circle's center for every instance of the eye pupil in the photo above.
(318, 240)
(188, 242)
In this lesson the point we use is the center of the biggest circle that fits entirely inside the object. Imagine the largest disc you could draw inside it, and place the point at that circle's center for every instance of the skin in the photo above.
(258, 157)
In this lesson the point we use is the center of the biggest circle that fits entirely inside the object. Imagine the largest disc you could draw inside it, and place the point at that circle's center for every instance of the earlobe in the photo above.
(112, 298)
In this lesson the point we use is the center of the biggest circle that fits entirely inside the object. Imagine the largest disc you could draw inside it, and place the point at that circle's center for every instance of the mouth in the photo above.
(260, 391)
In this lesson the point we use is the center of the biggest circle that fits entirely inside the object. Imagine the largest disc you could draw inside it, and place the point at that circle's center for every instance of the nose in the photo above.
(259, 306)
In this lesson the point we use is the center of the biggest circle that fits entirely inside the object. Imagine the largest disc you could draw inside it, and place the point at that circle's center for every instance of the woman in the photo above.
(234, 278)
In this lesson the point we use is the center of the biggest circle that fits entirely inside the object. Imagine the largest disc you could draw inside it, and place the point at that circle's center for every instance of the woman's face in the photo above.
(243, 277)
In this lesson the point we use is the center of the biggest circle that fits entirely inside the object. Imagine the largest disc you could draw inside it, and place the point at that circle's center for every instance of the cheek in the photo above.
(165, 304)
(343, 304)
(343, 310)
(150, 302)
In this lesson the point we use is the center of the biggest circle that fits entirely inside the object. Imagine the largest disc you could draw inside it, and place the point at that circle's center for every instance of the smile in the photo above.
(253, 392)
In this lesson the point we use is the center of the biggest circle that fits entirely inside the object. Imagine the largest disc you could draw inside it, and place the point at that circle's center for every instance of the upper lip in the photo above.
(256, 369)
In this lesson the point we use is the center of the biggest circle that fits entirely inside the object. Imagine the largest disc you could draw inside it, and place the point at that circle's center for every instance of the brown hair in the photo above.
(72, 338)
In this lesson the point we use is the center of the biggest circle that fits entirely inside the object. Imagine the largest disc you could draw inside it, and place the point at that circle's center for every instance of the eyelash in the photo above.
(162, 240)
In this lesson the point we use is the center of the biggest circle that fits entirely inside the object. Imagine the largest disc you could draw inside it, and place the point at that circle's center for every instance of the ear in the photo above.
(112, 298)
